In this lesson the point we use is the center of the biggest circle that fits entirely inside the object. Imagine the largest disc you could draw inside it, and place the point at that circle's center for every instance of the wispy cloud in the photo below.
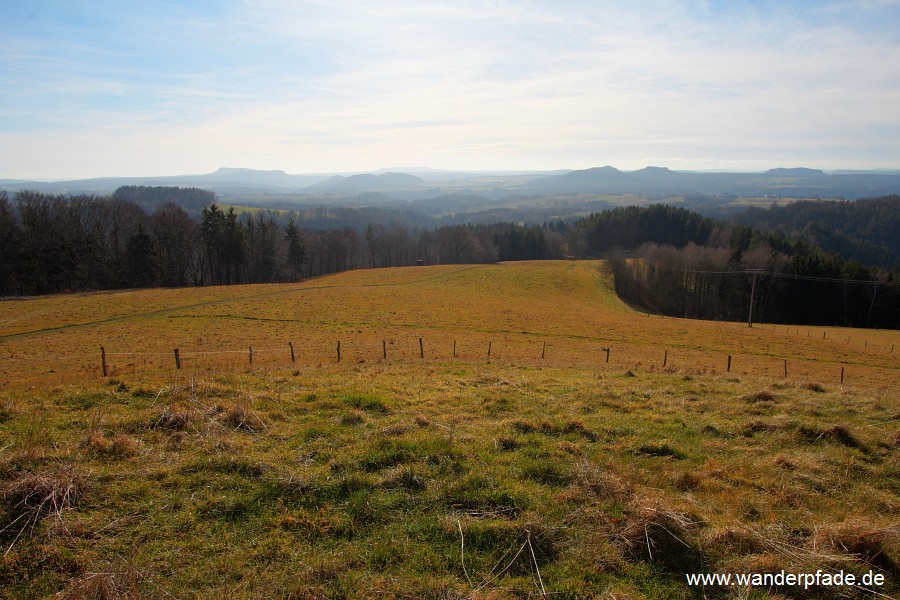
(327, 86)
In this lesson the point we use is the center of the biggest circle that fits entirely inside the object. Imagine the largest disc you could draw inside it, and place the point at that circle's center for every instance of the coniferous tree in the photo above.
(296, 251)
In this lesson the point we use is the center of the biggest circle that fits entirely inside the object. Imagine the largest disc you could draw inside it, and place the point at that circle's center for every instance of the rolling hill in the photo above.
(449, 432)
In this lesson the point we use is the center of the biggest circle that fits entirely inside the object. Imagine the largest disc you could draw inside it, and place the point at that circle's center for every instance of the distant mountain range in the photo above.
(657, 181)
(431, 183)
(225, 180)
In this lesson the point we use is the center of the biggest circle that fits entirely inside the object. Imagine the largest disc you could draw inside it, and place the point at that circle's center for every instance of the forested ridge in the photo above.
(665, 259)
(867, 231)
(679, 263)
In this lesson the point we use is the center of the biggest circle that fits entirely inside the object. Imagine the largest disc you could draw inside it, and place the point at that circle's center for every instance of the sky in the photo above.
(142, 88)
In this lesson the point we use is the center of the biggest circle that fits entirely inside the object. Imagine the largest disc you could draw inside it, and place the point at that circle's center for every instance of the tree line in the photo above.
(665, 259)
(61, 243)
(863, 230)
(673, 262)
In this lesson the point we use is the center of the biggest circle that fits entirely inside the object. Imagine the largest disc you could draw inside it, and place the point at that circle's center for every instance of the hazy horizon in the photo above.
(426, 170)
(165, 88)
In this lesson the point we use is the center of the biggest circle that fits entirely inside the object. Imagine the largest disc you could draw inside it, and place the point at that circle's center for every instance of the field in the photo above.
(488, 431)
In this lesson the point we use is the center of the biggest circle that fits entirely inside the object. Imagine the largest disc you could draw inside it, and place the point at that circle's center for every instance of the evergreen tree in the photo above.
(296, 253)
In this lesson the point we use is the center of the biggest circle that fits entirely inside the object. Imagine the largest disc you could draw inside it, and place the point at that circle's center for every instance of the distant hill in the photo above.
(781, 182)
(367, 182)
(224, 180)
(452, 203)
(654, 182)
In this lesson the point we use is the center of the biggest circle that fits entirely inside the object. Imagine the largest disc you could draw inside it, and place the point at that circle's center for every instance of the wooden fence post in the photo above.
(293, 358)
(339, 350)
(103, 359)
(665, 358)
(607, 354)
(177, 358)
(489, 349)
(729, 363)
(785, 368)
(251, 354)
(543, 349)
(384, 349)
(842, 375)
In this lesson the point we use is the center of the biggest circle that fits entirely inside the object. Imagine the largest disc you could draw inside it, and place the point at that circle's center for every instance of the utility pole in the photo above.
(754, 272)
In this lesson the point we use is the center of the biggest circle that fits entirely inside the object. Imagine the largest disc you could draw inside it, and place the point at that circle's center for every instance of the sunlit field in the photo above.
(487, 431)
(565, 311)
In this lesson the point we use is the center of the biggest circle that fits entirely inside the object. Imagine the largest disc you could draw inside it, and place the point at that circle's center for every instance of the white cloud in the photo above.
(327, 86)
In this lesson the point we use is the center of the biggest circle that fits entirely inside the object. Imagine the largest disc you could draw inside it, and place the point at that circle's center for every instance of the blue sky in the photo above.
(154, 88)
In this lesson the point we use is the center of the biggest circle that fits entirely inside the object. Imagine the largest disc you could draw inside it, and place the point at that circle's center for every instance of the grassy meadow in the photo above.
(440, 471)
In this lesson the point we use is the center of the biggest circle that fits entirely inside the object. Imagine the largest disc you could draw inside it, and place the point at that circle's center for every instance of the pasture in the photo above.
(419, 465)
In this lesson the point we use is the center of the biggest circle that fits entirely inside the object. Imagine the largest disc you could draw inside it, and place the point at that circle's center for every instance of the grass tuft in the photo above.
(655, 533)
(32, 496)
(763, 396)
(366, 402)
(839, 433)
(119, 446)
(547, 471)
(726, 542)
(815, 387)
(686, 481)
(353, 418)
(507, 444)
(173, 418)
(240, 417)
(603, 484)
(118, 581)
(659, 450)
(876, 546)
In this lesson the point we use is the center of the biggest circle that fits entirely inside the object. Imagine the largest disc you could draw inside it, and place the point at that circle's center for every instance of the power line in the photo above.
(781, 275)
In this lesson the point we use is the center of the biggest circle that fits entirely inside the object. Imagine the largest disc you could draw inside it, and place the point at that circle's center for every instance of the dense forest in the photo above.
(666, 259)
(55, 243)
(683, 264)
(865, 230)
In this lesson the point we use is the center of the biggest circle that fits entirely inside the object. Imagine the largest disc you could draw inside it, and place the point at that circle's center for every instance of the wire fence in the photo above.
(876, 367)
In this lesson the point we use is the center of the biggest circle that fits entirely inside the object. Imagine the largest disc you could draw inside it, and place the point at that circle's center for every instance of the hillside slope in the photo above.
(567, 310)
(492, 453)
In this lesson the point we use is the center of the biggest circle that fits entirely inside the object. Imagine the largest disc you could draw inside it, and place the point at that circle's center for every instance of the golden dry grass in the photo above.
(448, 477)
(565, 310)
